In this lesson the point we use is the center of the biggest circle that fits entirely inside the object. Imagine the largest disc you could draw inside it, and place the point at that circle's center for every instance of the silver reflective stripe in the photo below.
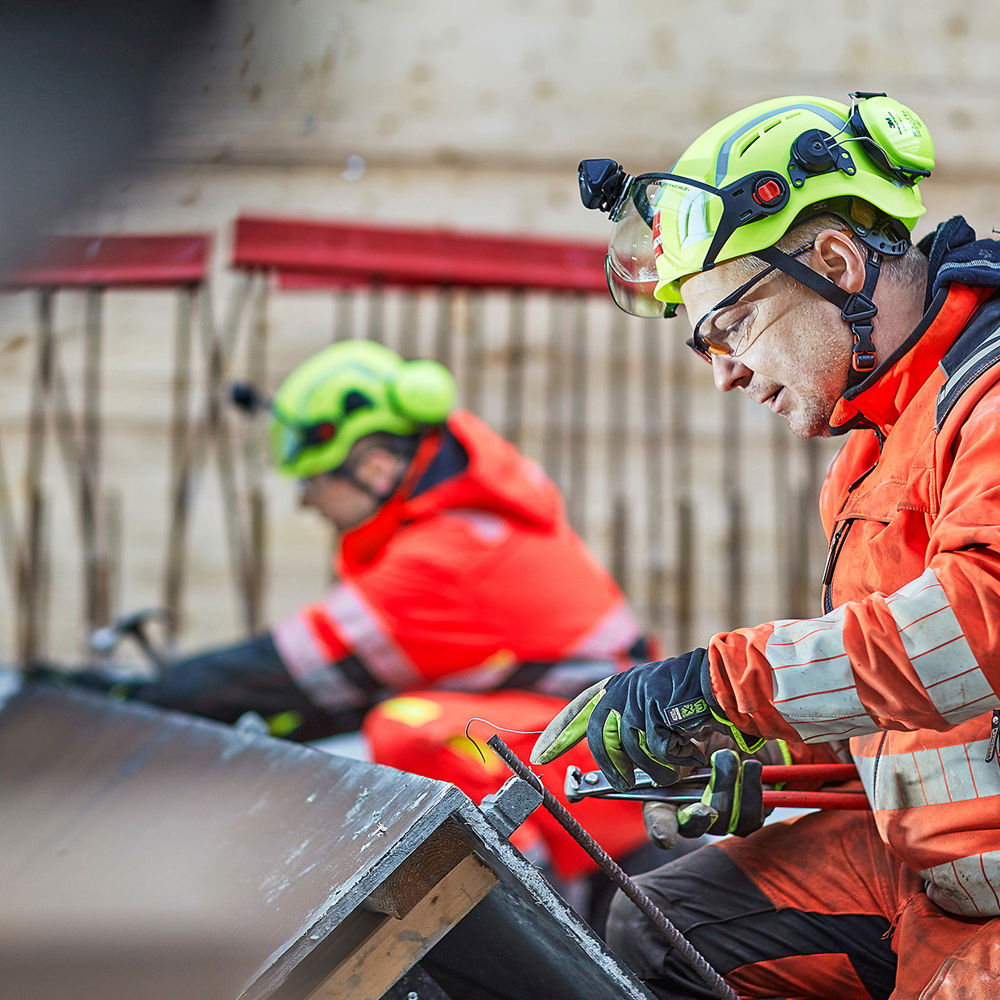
(984, 349)
(971, 886)
(612, 635)
(930, 777)
(369, 641)
(485, 677)
(308, 667)
(568, 678)
(814, 687)
(938, 650)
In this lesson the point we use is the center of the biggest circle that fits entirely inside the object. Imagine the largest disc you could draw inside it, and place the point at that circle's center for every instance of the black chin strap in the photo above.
(857, 309)
(347, 472)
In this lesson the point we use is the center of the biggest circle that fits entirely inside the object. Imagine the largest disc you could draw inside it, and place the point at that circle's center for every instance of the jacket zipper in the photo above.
(991, 747)
(839, 536)
(836, 544)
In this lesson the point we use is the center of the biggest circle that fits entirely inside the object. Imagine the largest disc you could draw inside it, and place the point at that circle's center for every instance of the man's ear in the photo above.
(378, 468)
(836, 256)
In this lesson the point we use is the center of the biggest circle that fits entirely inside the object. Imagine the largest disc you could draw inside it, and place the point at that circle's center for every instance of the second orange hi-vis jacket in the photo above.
(469, 578)
(905, 661)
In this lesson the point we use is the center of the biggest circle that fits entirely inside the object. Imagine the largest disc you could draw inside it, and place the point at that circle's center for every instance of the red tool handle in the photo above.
(808, 772)
(816, 800)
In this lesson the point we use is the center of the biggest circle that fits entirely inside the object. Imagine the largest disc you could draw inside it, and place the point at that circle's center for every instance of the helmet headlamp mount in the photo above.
(601, 184)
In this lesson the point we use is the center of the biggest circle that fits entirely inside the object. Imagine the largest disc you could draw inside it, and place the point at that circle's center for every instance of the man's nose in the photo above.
(730, 373)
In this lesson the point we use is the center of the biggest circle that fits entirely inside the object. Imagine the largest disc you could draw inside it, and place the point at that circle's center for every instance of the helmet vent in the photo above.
(750, 141)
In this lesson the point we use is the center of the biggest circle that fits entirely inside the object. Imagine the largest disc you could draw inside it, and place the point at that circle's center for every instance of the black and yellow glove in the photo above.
(732, 803)
(645, 717)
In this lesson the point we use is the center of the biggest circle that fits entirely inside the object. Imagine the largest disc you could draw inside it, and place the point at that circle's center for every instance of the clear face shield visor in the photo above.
(661, 223)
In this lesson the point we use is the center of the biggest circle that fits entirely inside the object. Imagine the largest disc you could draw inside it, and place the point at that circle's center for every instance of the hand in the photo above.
(733, 803)
(645, 717)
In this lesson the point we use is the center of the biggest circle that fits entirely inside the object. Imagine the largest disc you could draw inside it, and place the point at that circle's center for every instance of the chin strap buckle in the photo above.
(859, 312)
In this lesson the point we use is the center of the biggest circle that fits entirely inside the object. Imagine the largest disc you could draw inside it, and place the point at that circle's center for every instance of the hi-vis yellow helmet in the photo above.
(345, 392)
(741, 185)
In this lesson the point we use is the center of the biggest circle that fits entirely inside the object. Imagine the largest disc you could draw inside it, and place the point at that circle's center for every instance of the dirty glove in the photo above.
(644, 717)
(733, 803)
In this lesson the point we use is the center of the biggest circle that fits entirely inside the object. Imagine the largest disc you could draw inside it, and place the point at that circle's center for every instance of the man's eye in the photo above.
(731, 324)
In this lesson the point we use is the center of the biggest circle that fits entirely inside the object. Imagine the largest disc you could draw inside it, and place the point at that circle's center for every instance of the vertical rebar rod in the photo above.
(517, 369)
(95, 569)
(656, 513)
(683, 490)
(576, 502)
(610, 867)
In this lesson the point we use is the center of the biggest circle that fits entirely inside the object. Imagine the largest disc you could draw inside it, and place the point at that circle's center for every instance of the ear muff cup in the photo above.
(422, 391)
(894, 137)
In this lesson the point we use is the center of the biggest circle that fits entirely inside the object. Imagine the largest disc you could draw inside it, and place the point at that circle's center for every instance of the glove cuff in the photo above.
(746, 742)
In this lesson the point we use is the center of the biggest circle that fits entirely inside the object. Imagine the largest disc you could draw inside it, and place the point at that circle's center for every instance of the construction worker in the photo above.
(463, 592)
(784, 231)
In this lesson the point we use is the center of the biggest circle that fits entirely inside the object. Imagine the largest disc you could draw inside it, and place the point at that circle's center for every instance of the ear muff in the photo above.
(422, 391)
(893, 136)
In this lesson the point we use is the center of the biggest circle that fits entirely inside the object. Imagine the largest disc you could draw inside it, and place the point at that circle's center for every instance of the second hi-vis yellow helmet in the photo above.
(346, 391)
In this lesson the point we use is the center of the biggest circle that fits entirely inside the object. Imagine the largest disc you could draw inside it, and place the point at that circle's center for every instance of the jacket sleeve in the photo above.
(245, 676)
(464, 602)
(339, 651)
(926, 656)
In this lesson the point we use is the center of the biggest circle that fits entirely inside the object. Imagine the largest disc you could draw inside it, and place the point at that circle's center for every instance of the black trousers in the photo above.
(764, 944)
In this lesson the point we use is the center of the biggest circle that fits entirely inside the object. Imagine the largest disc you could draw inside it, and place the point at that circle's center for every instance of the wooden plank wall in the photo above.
(126, 480)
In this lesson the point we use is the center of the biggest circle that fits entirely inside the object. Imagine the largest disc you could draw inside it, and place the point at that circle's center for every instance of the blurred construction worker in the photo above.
(463, 592)
(784, 231)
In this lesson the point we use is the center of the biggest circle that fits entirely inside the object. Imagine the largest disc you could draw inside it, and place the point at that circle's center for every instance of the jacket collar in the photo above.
(962, 273)
(360, 545)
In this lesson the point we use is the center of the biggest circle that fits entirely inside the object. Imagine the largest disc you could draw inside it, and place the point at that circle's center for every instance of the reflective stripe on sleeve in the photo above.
(369, 641)
(971, 885)
(568, 678)
(612, 636)
(310, 667)
(814, 686)
(939, 776)
(938, 650)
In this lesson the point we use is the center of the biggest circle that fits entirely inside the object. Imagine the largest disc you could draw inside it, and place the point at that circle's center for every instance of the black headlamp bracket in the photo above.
(601, 184)
(815, 152)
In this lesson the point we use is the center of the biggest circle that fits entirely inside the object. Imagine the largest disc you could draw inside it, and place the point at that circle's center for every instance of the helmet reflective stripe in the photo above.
(722, 164)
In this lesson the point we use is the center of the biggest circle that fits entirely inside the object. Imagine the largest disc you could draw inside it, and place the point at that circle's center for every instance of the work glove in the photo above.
(733, 801)
(646, 717)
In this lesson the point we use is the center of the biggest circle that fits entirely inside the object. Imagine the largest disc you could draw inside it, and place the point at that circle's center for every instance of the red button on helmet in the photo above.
(767, 192)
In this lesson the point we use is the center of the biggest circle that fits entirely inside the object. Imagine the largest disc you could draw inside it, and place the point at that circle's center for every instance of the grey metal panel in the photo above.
(145, 853)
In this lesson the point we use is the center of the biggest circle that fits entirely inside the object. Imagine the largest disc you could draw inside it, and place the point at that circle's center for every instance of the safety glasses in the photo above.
(727, 329)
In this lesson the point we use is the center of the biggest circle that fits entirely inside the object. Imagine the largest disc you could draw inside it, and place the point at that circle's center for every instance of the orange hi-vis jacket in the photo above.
(468, 579)
(906, 660)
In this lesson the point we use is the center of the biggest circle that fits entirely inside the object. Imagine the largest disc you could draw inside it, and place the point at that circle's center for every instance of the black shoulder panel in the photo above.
(976, 351)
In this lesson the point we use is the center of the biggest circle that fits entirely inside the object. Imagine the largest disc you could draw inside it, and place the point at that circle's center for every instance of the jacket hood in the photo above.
(955, 255)
(496, 478)
(464, 466)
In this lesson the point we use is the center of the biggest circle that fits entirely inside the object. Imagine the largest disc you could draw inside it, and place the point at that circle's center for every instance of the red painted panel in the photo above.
(331, 254)
(148, 260)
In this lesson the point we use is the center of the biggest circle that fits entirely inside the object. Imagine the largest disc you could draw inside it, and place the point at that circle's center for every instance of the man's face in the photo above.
(798, 351)
(337, 499)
